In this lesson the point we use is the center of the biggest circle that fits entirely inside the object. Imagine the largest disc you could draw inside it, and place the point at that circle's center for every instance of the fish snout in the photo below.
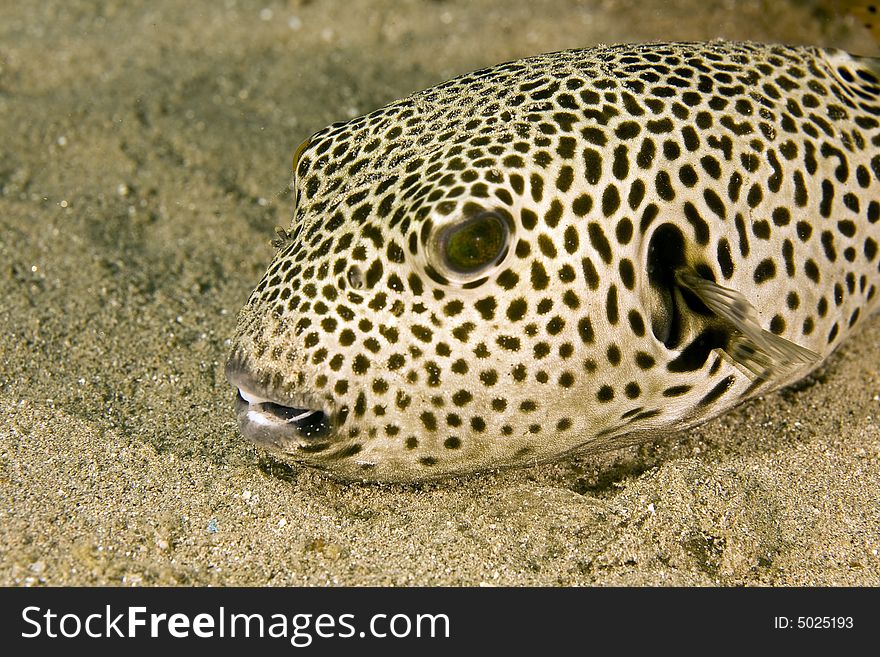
(275, 419)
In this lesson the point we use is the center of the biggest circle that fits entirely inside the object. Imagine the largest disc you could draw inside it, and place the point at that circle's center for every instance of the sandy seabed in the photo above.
(144, 162)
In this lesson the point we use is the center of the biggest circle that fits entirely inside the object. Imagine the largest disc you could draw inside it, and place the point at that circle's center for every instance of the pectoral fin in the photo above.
(758, 351)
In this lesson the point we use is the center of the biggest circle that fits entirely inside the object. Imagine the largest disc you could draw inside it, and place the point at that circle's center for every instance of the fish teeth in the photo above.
(251, 398)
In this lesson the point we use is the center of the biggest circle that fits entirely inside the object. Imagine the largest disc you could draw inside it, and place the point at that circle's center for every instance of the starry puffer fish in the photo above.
(567, 253)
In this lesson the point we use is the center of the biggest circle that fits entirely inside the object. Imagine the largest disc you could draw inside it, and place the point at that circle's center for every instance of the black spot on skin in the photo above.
(545, 244)
(671, 150)
(611, 305)
(846, 227)
(804, 231)
(734, 186)
(429, 421)
(566, 148)
(517, 309)
(582, 205)
(627, 130)
(827, 198)
(528, 219)
(714, 203)
(800, 190)
(605, 394)
(691, 140)
(585, 330)
(595, 136)
(660, 126)
(648, 216)
(676, 391)
(765, 271)
(624, 231)
(781, 216)
(508, 342)
(636, 194)
(717, 391)
(832, 334)
(701, 228)
(486, 308)
(688, 176)
(452, 442)
(636, 323)
(627, 273)
(360, 364)
(553, 214)
(564, 179)
(755, 196)
(571, 240)
(854, 317)
(555, 325)
(645, 156)
(725, 261)
(433, 371)
(644, 361)
(599, 241)
(742, 236)
(590, 273)
(613, 354)
(620, 166)
(788, 257)
(828, 245)
(777, 325)
(761, 229)
(711, 166)
(539, 276)
(663, 185)
(507, 279)
(592, 165)
(610, 200)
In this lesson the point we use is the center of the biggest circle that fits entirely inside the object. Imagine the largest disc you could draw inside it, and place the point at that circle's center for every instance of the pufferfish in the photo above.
(567, 253)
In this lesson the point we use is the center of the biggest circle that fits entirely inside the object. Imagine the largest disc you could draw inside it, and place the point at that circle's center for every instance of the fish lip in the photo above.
(271, 419)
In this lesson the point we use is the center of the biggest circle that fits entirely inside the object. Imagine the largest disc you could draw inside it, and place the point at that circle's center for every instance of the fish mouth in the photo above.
(274, 420)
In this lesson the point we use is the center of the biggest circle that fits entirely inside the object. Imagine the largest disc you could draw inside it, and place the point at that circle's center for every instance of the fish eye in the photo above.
(472, 245)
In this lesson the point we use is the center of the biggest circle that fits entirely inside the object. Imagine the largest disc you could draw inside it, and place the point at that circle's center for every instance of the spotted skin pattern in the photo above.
(612, 170)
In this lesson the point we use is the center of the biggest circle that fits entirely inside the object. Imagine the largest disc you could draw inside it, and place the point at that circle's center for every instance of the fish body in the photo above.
(571, 252)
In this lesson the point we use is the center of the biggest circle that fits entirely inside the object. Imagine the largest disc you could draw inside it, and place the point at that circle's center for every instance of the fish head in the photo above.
(429, 312)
